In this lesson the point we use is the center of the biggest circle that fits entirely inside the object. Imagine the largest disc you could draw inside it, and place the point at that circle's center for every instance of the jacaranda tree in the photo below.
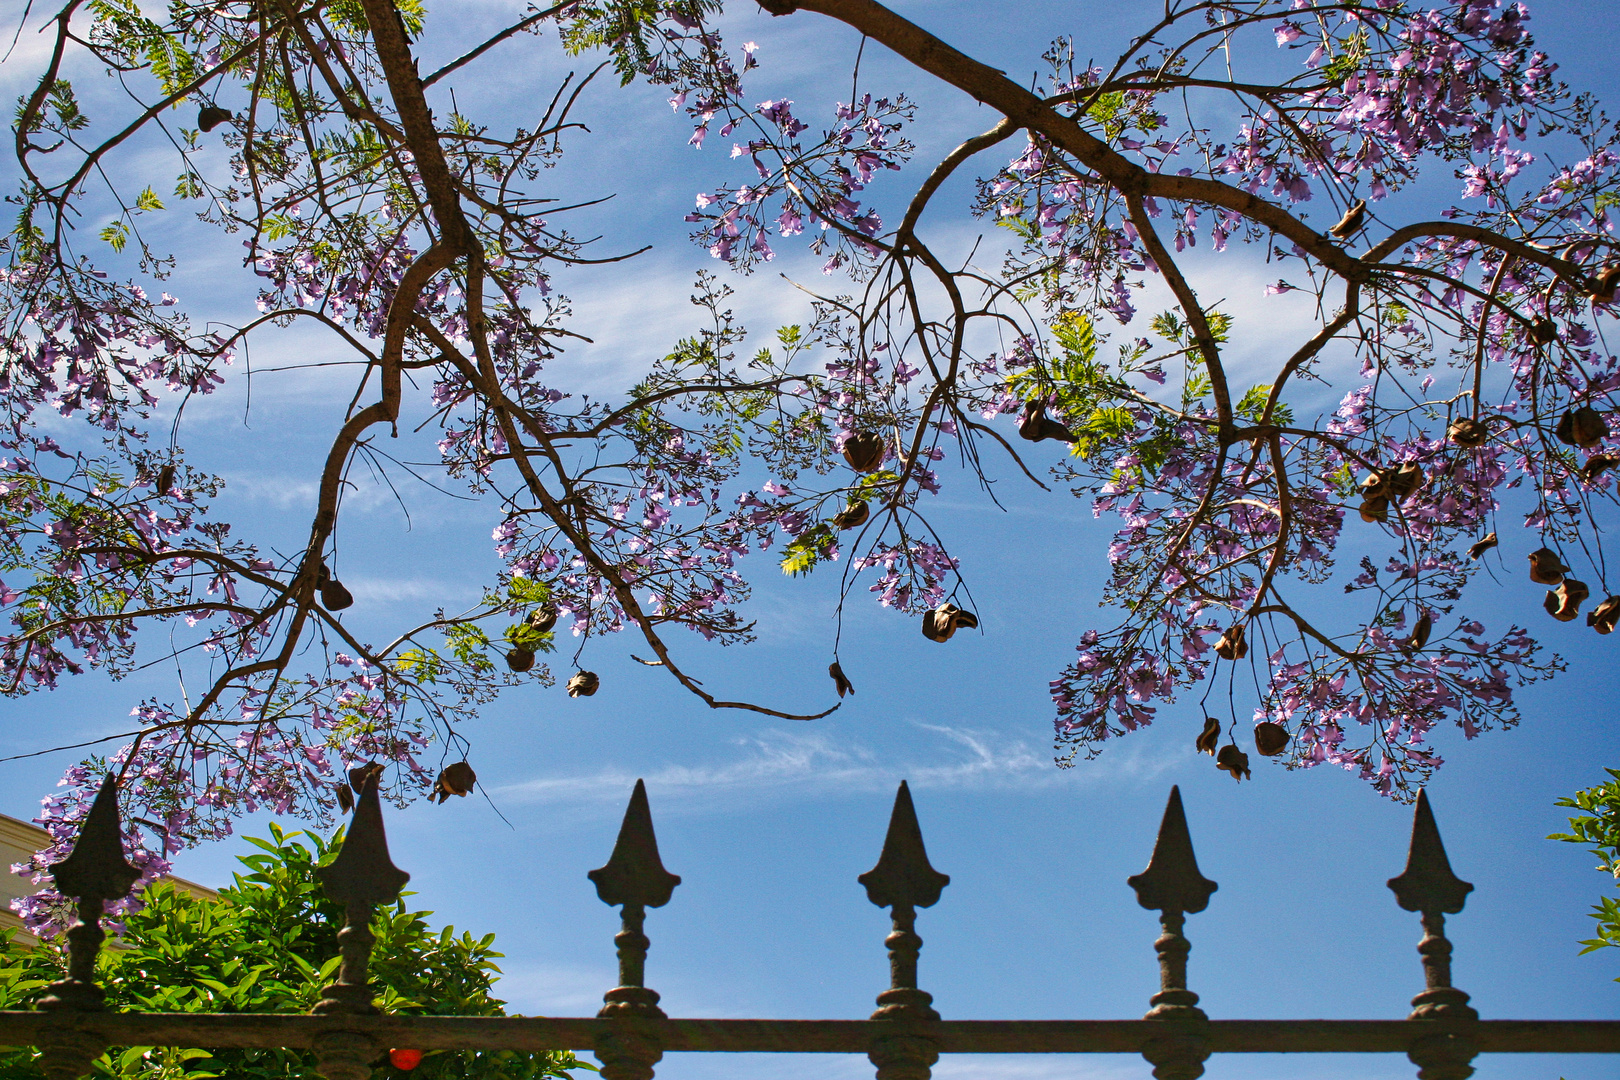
(1462, 351)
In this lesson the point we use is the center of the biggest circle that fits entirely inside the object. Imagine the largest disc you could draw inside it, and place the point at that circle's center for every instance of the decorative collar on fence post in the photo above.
(94, 872)
(633, 880)
(361, 877)
(1428, 887)
(1172, 886)
(903, 881)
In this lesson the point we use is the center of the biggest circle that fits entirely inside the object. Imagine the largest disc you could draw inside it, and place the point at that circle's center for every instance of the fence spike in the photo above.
(1429, 887)
(903, 881)
(362, 876)
(94, 872)
(633, 880)
(1173, 886)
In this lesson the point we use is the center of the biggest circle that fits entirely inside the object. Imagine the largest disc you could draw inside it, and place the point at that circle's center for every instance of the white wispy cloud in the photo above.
(788, 764)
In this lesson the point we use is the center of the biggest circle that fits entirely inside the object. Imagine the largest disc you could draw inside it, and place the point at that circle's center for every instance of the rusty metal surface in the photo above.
(534, 1034)
(96, 866)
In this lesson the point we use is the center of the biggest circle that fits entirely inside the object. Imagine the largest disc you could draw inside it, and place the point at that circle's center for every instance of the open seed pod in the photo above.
(1210, 737)
(1232, 645)
(1270, 738)
(1036, 426)
(1234, 761)
(1466, 431)
(1407, 479)
(1606, 283)
(945, 620)
(583, 684)
(1375, 510)
(543, 619)
(345, 797)
(1583, 427)
(457, 779)
(1564, 602)
(1604, 617)
(1419, 636)
(211, 116)
(852, 516)
(1546, 568)
(1596, 465)
(840, 680)
(1543, 331)
(864, 452)
(519, 660)
(165, 479)
(334, 597)
(1480, 547)
(1350, 224)
(1375, 485)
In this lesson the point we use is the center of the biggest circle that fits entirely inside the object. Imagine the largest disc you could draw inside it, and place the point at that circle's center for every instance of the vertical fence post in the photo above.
(1428, 886)
(633, 880)
(361, 877)
(903, 881)
(93, 873)
(1172, 886)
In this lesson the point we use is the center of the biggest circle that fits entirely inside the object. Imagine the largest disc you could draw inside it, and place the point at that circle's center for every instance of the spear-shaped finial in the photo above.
(1171, 881)
(1172, 886)
(903, 881)
(633, 880)
(635, 875)
(1428, 887)
(361, 877)
(94, 872)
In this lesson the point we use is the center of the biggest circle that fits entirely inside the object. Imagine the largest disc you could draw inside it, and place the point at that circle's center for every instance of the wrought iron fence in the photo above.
(903, 1038)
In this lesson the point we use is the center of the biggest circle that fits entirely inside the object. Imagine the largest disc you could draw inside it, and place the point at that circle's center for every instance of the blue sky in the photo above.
(769, 822)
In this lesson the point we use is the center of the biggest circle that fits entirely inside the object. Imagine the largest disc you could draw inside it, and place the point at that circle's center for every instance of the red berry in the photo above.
(405, 1059)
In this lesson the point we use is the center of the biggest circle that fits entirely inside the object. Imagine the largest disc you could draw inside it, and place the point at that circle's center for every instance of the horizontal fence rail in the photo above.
(903, 1038)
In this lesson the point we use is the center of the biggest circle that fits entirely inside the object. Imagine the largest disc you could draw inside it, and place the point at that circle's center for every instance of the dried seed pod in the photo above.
(583, 684)
(165, 479)
(1583, 427)
(543, 619)
(361, 773)
(1035, 426)
(852, 516)
(840, 679)
(1374, 485)
(457, 779)
(945, 620)
(1232, 645)
(1350, 224)
(1210, 737)
(1407, 479)
(864, 452)
(1466, 431)
(1564, 602)
(1270, 738)
(1597, 465)
(1419, 636)
(1604, 617)
(1546, 568)
(1480, 547)
(519, 660)
(211, 116)
(1543, 331)
(1375, 510)
(1234, 761)
(334, 597)
(1606, 283)
(345, 797)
